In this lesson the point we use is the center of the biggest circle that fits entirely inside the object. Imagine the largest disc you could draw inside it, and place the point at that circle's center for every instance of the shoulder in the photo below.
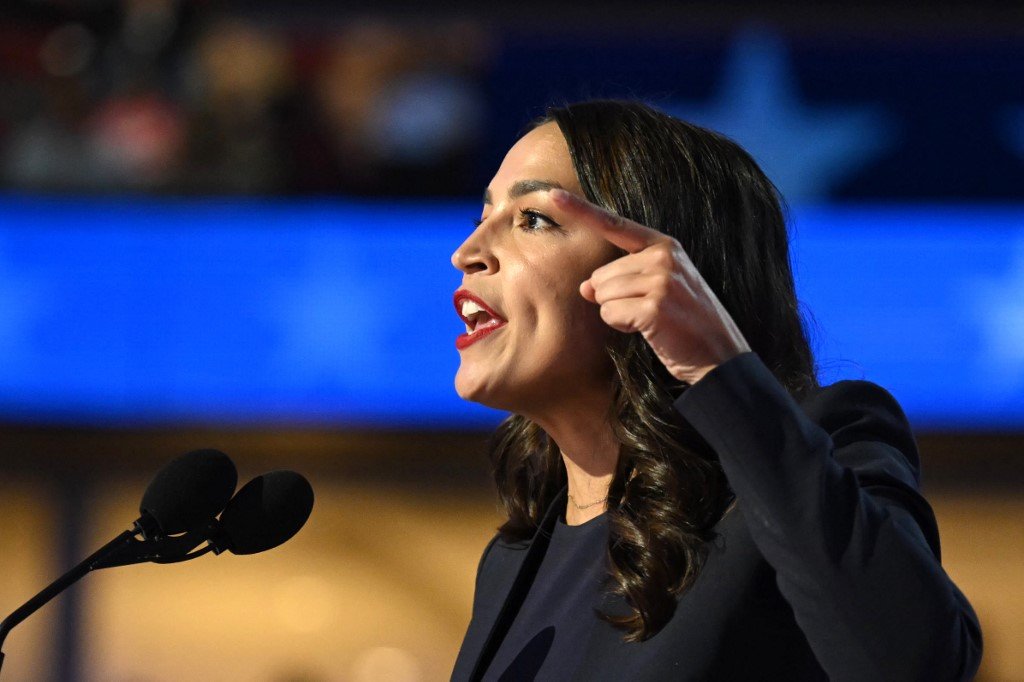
(869, 430)
(872, 438)
(853, 411)
(499, 558)
(497, 547)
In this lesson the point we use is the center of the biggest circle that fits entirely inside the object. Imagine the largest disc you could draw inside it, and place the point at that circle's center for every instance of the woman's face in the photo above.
(532, 342)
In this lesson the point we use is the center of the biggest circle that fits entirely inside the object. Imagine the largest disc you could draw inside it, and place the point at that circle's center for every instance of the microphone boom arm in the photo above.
(124, 550)
(266, 512)
(62, 583)
(162, 550)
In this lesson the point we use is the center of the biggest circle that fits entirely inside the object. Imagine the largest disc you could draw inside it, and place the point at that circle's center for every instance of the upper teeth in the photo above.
(470, 308)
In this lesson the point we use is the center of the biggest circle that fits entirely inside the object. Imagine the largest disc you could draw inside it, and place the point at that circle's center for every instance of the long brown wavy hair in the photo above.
(669, 490)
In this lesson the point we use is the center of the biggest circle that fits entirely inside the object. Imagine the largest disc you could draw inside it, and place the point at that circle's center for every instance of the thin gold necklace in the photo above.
(581, 507)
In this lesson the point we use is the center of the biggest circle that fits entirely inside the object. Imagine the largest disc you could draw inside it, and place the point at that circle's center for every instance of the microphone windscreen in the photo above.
(190, 491)
(266, 512)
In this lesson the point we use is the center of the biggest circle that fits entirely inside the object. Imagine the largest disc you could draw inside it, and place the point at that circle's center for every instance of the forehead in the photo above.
(542, 154)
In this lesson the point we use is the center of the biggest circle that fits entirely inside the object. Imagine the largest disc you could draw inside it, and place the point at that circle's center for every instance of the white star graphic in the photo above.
(806, 151)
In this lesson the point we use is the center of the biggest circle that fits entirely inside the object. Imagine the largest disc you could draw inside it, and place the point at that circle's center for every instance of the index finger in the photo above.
(622, 232)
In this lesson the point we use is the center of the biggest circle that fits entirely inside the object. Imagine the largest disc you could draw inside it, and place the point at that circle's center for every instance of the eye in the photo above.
(532, 221)
(477, 222)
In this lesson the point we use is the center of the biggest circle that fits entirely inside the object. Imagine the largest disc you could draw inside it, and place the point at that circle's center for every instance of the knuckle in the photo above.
(679, 253)
(664, 255)
(648, 311)
(661, 284)
(617, 317)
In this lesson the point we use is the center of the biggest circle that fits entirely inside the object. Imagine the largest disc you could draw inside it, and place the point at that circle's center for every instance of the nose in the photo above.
(475, 254)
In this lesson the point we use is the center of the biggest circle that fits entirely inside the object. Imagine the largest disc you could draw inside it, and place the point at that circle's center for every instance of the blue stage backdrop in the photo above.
(128, 311)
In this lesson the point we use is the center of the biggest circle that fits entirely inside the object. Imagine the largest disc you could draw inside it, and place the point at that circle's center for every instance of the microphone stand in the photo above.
(123, 550)
(62, 583)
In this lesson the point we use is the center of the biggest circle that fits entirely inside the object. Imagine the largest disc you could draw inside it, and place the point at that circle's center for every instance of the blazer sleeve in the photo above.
(830, 490)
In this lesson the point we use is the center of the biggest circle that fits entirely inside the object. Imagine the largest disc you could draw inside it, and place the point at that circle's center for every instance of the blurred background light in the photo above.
(125, 311)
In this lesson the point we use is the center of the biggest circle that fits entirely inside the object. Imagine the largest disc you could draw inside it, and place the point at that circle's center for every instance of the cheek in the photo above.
(557, 276)
(569, 325)
(586, 335)
(557, 339)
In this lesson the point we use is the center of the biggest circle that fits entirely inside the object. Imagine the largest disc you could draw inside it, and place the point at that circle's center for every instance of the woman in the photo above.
(684, 501)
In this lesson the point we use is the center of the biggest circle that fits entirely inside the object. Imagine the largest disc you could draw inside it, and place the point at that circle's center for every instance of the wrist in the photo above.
(695, 373)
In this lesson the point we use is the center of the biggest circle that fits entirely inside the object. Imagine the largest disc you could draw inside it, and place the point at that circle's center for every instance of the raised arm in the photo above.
(830, 490)
(830, 487)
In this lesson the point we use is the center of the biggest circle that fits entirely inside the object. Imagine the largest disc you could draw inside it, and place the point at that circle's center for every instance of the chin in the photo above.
(529, 388)
(471, 389)
(483, 390)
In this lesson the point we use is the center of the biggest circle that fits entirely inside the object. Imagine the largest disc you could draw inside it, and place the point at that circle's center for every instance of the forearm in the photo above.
(846, 541)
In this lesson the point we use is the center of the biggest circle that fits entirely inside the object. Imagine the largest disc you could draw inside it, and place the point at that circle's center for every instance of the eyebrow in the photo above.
(521, 188)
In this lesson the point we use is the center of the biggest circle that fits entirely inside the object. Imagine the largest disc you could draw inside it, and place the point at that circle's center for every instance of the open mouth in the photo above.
(480, 318)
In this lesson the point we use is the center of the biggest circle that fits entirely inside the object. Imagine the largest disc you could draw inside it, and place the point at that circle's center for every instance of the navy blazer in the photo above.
(827, 567)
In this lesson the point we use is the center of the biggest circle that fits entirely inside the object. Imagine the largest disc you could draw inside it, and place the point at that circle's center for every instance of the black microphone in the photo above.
(268, 511)
(186, 493)
(179, 512)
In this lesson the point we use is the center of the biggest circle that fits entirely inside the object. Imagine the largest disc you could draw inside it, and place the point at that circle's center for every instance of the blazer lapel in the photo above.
(496, 622)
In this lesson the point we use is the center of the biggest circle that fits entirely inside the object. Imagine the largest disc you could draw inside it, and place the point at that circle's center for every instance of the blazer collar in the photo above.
(499, 622)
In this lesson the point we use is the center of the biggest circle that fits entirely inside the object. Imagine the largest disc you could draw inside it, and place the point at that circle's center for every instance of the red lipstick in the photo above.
(483, 322)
